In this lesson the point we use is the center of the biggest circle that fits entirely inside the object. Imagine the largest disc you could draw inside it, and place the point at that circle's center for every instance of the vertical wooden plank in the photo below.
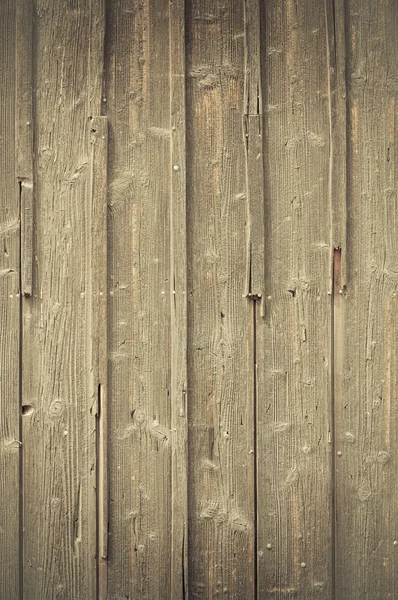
(24, 149)
(97, 218)
(142, 507)
(253, 138)
(178, 304)
(336, 48)
(366, 410)
(220, 317)
(10, 441)
(59, 417)
(293, 350)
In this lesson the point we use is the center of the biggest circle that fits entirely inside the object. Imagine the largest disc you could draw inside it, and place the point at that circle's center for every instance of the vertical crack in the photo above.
(255, 541)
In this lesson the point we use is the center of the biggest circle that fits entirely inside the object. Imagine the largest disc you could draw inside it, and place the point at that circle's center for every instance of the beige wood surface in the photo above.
(10, 439)
(220, 316)
(366, 345)
(60, 339)
(198, 299)
(293, 338)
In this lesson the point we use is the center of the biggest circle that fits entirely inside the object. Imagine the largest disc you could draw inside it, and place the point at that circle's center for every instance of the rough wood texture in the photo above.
(10, 441)
(141, 267)
(293, 353)
(204, 282)
(220, 360)
(59, 424)
(366, 408)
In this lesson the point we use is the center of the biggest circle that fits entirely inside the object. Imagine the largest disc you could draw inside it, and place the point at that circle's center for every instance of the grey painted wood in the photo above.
(145, 388)
(10, 440)
(220, 317)
(366, 407)
(59, 421)
(293, 338)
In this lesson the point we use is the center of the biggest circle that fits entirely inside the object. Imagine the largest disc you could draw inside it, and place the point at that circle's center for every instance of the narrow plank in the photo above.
(293, 349)
(60, 539)
(336, 47)
(366, 410)
(178, 304)
(220, 317)
(141, 440)
(98, 325)
(24, 148)
(10, 440)
(253, 137)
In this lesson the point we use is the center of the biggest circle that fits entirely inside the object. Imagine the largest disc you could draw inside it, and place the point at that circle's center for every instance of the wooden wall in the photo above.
(199, 300)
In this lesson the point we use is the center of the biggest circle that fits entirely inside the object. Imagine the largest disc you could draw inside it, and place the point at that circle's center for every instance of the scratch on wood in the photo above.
(77, 520)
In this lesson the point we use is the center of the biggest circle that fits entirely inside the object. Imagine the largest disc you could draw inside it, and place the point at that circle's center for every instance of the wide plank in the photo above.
(293, 329)
(366, 318)
(59, 407)
(146, 373)
(220, 315)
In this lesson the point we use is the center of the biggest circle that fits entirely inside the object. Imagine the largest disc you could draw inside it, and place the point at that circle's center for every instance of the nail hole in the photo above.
(27, 409)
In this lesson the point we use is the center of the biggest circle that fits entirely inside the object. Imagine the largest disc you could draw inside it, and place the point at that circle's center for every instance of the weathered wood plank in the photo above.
(220, 318)
(10, 440)
(367, 407)
(58, 423)
(97, 218)
(140, 280)
(24, 148)
(178, 305)
(336, 47)
(253, 139)
(293, 349)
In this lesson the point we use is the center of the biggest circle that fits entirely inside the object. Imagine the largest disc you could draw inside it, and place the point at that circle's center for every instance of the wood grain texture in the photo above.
(293, 349)
(178, 304)
(220, 341)
(141, 271)
(10, 440)
(59, 424)
(366, 409)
